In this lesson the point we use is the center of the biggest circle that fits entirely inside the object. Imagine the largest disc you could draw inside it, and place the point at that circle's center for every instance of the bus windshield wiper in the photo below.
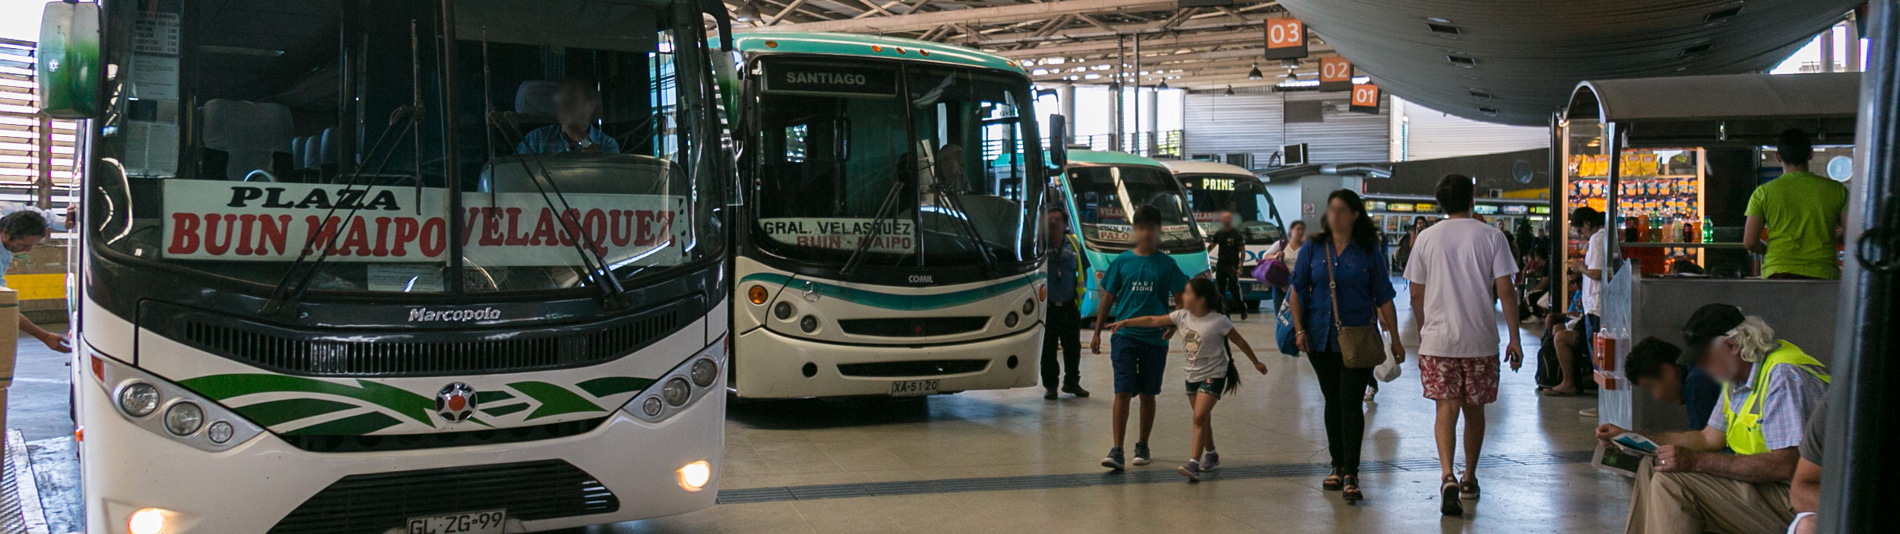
(884, 211)
(296, 279)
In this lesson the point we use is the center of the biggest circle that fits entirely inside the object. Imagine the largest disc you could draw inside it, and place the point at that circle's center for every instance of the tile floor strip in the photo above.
(1150, 475)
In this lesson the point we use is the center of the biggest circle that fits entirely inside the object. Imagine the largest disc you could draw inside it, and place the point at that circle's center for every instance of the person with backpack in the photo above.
(1205, 333)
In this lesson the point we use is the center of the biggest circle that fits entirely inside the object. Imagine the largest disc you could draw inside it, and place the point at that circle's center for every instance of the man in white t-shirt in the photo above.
(1586, 220)
(20, 231)
(1460, 270)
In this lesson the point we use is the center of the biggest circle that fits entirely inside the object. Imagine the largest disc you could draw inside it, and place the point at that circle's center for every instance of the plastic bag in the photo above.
(1390, 370)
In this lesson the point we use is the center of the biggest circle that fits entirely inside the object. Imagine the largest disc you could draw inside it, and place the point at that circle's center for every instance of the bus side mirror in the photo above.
(67, 62)
(1058, 141)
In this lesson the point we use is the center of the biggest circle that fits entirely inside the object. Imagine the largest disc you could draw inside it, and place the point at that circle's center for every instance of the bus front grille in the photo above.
(438, 440)
(912, 326)
(372, 353)
(529, 491)
(913, 368)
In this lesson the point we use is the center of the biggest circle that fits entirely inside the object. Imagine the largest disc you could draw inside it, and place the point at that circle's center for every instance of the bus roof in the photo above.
(846, 44)
(1204, 167)
(1093, 157)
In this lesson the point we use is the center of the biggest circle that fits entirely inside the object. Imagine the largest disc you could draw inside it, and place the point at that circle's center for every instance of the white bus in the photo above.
(1216, 188)
(889, 243)
(348, 267)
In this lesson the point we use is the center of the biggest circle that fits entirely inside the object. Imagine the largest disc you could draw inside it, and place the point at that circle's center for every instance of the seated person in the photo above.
(1769, 389)
(574, 107)
(1671, 376)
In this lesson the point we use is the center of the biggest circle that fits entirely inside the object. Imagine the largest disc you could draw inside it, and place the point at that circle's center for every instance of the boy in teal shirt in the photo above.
(1794, 220)
(1138, 283)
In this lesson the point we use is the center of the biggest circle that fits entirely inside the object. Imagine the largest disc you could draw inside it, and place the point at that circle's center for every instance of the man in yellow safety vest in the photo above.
(1733, 475)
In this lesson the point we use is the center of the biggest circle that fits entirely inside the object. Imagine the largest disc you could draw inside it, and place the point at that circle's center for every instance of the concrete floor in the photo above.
(798, 466)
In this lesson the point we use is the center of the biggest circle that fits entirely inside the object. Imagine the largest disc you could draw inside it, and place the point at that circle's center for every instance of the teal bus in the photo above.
(1103, 189)
(889, 240)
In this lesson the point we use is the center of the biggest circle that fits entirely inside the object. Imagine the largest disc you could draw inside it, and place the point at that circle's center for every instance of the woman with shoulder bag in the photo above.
(1340, 289)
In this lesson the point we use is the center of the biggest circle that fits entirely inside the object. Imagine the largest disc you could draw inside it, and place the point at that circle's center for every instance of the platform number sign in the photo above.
(1335, 74)
(1365, 99)
(1286, 38)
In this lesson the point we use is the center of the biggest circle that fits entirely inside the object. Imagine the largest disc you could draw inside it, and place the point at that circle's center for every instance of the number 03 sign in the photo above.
(1286, 38)
(1365, 99)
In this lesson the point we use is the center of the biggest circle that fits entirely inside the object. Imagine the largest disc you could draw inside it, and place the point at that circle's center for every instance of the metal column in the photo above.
(1065, 100)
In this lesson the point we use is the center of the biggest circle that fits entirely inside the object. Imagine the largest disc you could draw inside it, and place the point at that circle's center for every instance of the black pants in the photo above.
(1228, 280)
(1345, 418)
(1064, 327)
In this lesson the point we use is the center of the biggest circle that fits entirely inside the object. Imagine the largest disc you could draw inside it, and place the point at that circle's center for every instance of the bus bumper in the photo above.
(770, 365)
(250, 488)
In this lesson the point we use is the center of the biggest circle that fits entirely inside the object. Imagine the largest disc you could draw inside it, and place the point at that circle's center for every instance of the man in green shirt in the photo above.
(1801, 214)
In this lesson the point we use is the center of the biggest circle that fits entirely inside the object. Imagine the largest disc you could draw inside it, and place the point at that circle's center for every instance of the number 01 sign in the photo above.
(1365, 99)
(1286, 38)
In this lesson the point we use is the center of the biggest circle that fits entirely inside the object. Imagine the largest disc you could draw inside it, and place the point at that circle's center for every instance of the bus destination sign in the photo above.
(811, 78)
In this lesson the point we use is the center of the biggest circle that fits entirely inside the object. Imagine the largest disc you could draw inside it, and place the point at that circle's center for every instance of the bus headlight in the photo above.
(146, 521)
(1029, 307)
(652, 406)
(220, 432)
(184, 418)
(783, 310)
(138, 399)
(676, 391)
(809, 324)
(1010, 320)
(705, 372)
(694, 476)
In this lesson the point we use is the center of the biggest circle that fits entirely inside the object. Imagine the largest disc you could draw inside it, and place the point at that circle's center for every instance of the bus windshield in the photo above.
(1213, 194)
(925, 162)
(1106, 197)
(333, 140)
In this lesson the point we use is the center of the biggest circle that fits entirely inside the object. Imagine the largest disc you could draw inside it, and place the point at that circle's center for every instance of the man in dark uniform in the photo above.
(1229, 244)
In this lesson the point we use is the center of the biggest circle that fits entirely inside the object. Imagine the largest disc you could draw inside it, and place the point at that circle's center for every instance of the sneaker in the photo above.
(1076, 390)
(1210, 460)
(1049, 394)
(1448, 498)
(1141, 454)
(1588, 412)
(1114, 459)
(1191, 470)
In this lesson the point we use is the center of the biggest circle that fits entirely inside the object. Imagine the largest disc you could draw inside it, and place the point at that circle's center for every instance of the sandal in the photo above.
(1448, 497)
(1554, 392)
(1468, 489)
(1332, 482)
(1351, 492)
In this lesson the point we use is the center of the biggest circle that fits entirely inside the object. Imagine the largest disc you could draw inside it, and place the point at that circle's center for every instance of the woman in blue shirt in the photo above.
(1365, 294)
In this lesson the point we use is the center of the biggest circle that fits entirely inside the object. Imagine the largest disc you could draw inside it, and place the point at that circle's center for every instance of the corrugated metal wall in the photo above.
(1432, 134)
(1252, 122)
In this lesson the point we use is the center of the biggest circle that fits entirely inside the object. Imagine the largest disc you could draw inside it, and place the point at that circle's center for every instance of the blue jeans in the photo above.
(1138, 365)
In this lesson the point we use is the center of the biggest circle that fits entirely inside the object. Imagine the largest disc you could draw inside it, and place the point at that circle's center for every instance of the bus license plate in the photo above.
(483, 522)
(913, 388)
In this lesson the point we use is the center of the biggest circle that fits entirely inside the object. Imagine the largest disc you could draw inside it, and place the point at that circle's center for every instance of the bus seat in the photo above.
(296, 152)
(534, 105)
(249, 135)
(312, 152)
(327, 157)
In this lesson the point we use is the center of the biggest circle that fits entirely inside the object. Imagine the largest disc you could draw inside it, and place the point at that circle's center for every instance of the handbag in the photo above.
(1284, 334)
(1359, 346)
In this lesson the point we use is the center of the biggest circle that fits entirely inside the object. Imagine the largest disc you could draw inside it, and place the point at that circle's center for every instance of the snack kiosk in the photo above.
(1673, 161)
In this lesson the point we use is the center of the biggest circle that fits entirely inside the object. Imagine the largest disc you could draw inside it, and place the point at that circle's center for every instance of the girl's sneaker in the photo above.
(1210, 460)
(1114, 459)
(1141, 454)
(1191, 470)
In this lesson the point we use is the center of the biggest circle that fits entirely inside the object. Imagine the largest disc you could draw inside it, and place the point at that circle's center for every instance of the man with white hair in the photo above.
(1769, 391)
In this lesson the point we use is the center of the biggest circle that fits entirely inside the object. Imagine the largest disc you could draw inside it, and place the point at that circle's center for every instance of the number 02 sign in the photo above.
(1335, 74)
(1286, 38)
(1365, 99)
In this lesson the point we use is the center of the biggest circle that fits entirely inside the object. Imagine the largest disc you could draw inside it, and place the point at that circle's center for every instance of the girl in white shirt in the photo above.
(1210, 372)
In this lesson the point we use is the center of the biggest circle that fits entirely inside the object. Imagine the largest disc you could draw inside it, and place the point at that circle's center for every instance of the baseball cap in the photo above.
(1708, 323)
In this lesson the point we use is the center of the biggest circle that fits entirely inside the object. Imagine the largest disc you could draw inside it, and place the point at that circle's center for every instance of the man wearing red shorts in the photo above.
(1460, 270)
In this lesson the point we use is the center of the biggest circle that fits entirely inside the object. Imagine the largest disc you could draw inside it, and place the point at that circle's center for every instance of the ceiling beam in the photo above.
(912, 21)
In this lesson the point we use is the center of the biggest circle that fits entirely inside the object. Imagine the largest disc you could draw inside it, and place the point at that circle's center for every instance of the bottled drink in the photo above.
(1708, 231)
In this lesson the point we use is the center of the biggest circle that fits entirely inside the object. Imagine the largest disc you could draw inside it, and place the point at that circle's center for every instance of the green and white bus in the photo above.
(889, 243)
(1102, 190)
(347, 268)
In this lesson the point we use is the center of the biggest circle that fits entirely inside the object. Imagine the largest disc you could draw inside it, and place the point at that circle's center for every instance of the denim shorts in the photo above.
(1212, 386)
(1138, 365)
